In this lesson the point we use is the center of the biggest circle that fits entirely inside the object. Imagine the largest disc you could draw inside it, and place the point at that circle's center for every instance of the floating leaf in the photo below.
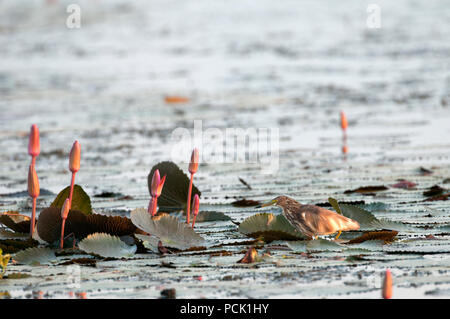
(386, 236)
(80, 200)
(366, 219)
(269, 227)
(35, 256)
(106, 245)
(211, 216)
(245, 203)
(6, 234)
(11, 246)
(168, 229)
(316, 245)
(174, 99)
(81, 225)
(49, 224)
(403, 183)
(367, 189)
(175, 191)
(434, 191)
(15, 221)
(113, 225)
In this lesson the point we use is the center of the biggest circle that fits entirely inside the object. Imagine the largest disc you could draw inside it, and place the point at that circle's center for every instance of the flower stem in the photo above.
(62, 232)
(33, 218)
(71, 189)
(188, 204)
(154, 203)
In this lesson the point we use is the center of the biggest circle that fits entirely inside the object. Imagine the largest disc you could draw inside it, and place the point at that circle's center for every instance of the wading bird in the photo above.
(310, 220)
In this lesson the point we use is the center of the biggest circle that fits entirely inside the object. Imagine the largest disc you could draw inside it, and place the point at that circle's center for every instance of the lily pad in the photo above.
(316, 245)
(269, 227)
(106, 245)
(211, 216)
(35, 256)
(175, 191)
(81, 225)
(386, 236)
(168, 229)
(80, 200)
(15, 221)
(366, 219)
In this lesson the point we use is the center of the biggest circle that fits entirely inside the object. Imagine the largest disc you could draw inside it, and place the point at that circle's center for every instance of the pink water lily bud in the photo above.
(65, 209)
(193, 165)
(387, 285)
(344, 123)
(196, 205)
(33, 182)
(74, 157)
(34, 146)
(157, 184)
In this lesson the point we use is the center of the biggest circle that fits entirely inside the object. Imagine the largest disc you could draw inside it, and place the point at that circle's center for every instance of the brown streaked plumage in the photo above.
(313, 221)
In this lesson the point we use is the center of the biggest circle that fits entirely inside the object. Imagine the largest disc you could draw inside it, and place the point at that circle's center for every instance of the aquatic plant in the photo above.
(74, 166)
(175, 192)
(344, 123)
(34, 147)
(106, 245)
(64, 212)
(4, 259)
(155, 190)
(168, 229)
(387, 285)
(193, 167)
(33, 191)
(195, 208)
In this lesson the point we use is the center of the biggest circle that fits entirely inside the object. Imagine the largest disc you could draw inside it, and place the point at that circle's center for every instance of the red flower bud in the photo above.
(74, 157)
(65, 209)
(196, 205)
(387, 285)
(193, 165)
(34, 147)
(157, 184)
(344, 123)
(33, 182)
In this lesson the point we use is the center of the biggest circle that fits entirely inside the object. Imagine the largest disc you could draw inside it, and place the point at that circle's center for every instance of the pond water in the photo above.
(290, 66)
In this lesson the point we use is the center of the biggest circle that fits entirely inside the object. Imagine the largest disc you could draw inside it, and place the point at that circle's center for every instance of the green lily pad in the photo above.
(35, 256)
(80, 200)
(168, 229)
(269, 227)
(105, 245)
(211, 216)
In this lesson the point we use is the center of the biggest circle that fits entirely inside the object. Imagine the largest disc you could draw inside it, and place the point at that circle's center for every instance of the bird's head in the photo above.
(281, 201)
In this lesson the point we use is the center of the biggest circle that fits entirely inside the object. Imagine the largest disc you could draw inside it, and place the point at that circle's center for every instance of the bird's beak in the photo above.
(272, 202)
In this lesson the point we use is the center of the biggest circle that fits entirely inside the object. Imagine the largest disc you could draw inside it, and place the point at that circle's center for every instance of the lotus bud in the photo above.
(34, 147)
(65, 209)
(196, 205)
(387, 285)
(74, 158)
(157, 184)
(33, 182)
(344, 123)
(193, 165)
